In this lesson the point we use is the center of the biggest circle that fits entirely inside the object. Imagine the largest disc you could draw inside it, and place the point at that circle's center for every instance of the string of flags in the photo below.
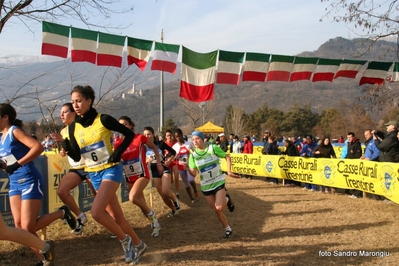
(199, 71)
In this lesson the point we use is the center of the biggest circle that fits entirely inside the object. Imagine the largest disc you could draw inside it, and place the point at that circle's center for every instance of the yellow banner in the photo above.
(371, 177)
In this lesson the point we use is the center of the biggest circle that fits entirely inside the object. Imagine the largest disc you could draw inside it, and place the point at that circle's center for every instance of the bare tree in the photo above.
(377, 19)
(193, 111)
(58, 10)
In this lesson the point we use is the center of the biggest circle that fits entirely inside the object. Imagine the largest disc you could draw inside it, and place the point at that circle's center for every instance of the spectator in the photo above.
(272, 149)
(371, 152)
(388, 143)
(248, 146)
(253, 139)
(237, 145)
(266, 136)
(354, 151)
(341, 139)
(48, 143)
(231, 142)
(324, 150)
(307, 151)
(290, 150)
(354, 147)
(224, 144)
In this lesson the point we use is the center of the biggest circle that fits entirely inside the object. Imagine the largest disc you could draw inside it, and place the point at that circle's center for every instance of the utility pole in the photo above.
(161, 100)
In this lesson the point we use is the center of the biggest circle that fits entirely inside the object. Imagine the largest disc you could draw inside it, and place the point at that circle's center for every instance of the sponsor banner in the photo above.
(368, 176)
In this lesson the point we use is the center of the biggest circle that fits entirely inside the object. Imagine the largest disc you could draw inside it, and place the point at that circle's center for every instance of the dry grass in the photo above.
(273, 225)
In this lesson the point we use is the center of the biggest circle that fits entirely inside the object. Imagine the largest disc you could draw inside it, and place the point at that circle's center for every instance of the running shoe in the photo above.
(140, 249)
(173, 213)
(49, 255)
(79, 225)
(155, 231)
(177, 205)
(177, 196)
(230, 204)
(196, 197)
(113, 235)
(128, 248)
(228, 234)
(68, 217)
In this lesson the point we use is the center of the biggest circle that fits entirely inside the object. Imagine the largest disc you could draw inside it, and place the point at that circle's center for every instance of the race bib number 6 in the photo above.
(95, 154)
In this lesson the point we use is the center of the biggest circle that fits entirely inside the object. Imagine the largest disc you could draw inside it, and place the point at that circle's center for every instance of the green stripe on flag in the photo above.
(234, 57)
(354, 62)
(84, 34)
(379, 65)
(111, 39)
(139, 44)
(167, 47)
(199, 60)
(282, 58)
(329, 62)
(55, 28)
(305, 60)
(257, 57)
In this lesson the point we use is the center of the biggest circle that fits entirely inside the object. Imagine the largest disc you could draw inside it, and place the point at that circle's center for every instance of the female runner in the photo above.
(170, 141)
(90, 138)
(76, 174)
(205, 162)
(17, 152)
(136, 171)
(162, 181)
(183, 149)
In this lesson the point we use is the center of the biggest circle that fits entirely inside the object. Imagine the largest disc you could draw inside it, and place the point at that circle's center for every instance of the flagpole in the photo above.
(161, 100)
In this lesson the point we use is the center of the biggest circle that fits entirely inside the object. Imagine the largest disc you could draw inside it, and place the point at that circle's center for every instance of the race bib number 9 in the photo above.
(183, 160)
(95, 154)
(132, 167)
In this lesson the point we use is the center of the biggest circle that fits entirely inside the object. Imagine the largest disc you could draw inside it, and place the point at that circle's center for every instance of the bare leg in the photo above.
(68, 182)
(158, 184)
(136, 195)
(218, 203)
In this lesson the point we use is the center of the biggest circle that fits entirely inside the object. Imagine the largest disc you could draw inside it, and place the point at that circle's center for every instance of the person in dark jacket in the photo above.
(388, 143)
(324, 150)
(224, 144)
(354, 147)
(290, 150)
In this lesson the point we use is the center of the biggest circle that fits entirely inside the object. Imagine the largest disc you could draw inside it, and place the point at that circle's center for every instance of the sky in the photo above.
(286, 27)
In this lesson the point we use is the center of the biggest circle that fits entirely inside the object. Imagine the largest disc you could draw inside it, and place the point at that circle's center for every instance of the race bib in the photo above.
(132, 167)
(95, 154)
(9, 159)
(183, 160)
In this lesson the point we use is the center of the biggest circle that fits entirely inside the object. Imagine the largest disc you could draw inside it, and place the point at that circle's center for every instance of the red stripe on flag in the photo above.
(163, 66)
(365, 80)
(196, 93)
(323, 77)
(278, 76)
(140, 63)
(227, 78)
(55, 50)
(346, 74)
(253, 76)
(109, 60)
(300, 76)
(83, 56)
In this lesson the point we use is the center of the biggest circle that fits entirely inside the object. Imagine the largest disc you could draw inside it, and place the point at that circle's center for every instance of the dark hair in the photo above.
(7, 110)
(329, 144)
(288, 141)
(179, 131)
(70, 106)
(152, 131)
(86, 91)
(351, 134)
(126, 118)
(236, 137)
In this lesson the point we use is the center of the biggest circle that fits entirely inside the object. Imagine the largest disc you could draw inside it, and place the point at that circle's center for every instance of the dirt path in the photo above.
(273, 225)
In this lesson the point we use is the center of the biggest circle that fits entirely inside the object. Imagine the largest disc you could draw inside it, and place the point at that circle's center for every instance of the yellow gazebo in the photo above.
(209, 127)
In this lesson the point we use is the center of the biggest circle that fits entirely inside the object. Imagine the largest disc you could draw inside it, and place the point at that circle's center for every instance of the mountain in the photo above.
(47, 81)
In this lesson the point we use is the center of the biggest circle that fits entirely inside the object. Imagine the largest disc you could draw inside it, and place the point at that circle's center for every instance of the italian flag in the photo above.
(349, 68)
(229, 67)
(84, 45)
(255, 67)
(198, 75)
(138, 52)
(303, 68)
(55, 39)
(110, 49)
(326, 69)
(395, 74)
(280, 68)
(164, 57)
(375, 73)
